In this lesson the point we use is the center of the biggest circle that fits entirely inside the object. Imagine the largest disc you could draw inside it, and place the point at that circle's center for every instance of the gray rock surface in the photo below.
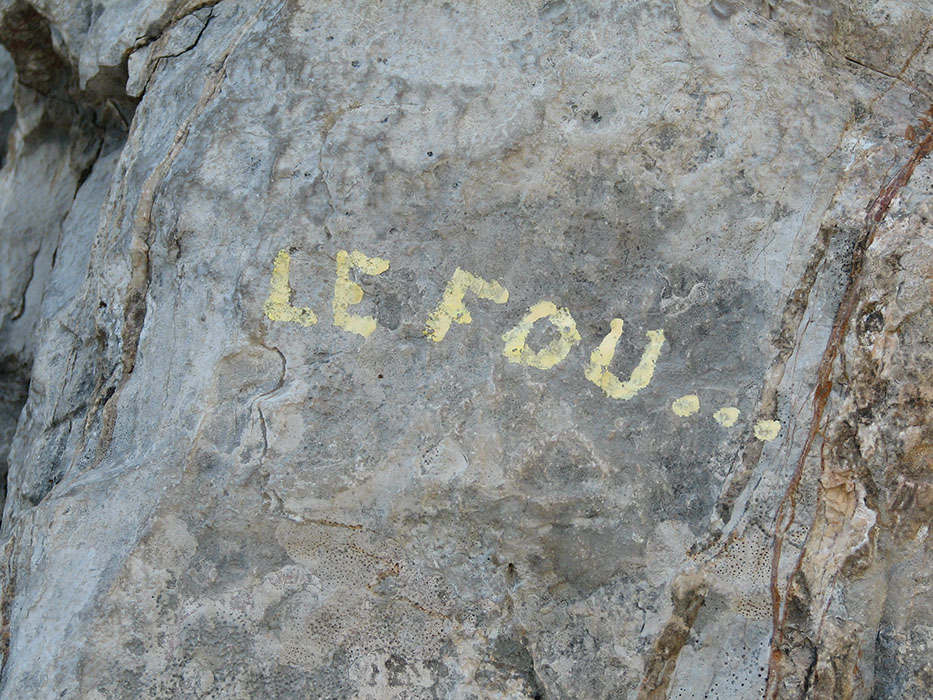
(566, 349)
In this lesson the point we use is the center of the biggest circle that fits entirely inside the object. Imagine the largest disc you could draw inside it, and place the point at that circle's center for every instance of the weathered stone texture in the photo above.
(221, 484)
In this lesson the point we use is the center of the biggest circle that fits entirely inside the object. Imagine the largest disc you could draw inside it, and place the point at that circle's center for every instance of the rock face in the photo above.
(568, 349)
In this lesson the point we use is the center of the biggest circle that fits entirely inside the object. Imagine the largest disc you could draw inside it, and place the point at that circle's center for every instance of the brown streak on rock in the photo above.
(6, 601)
(688, 595)
(135, 304)
(784, 517)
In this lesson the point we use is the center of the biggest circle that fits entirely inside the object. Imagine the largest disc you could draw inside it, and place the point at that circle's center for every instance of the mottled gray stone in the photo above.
(208, 501)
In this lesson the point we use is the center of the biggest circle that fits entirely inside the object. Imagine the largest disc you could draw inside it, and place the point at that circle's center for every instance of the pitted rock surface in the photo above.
(565, 349)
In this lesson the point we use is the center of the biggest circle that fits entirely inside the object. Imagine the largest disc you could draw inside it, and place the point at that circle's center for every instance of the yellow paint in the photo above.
(767, 430)
(348, 292)
(597, 371)
(686, 405)
(726, 416)
(451, 307)
(516, 346)
(278, 306)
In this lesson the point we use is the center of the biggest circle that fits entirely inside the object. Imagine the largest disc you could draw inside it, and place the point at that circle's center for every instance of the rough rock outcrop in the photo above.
(567, 349)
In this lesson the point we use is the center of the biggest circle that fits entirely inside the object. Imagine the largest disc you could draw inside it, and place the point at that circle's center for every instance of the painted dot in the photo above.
(726, 416)
(767, 429)
(686, 405)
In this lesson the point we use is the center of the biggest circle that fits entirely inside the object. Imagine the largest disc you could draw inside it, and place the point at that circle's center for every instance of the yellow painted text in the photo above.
(348, 292)
(451, 307)
(686, 405)
(516, 346)
(726, 416)
(597, 371)
(278, 306)
(767, 430)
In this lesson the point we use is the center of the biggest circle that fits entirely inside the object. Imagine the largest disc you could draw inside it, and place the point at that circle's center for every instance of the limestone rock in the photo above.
(557, 349)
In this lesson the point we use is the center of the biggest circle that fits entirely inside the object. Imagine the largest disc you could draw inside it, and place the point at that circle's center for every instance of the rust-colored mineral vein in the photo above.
(784, 517)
